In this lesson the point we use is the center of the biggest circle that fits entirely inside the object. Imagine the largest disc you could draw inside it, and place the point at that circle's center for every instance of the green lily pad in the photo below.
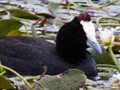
(14, 33)
(46, 15)
(8, 25)
(72, 79)
(90, 82)
(22, 14)
(103, 58)
(3, 12)
(116, 48)
(55, 8)
(5, 83)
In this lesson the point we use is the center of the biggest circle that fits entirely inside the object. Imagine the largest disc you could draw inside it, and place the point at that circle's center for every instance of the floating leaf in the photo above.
(90, 82)
(3, 12)
(5, 83)
(22, 14)
(106, 67)
(106, 72)
(14, 33)
(55, 8)
(72, 79)
(103, 58)
(116, 48)
(46, 15)
(8, 25)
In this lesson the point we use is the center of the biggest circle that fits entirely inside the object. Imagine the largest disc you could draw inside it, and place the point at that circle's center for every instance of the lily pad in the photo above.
(116, 48)
(72, 79)
(22, 14)
(2, 71)
(46, 15)
(55, 8)
(90, 82)
(3, 12)
(5, 83)
(8, 25)
(14, 33)
(103, 58)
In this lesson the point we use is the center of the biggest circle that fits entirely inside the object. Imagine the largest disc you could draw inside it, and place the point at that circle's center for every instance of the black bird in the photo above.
(28, 55)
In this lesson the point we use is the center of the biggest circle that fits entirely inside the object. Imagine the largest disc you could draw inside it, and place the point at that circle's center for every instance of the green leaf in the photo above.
(14, 33)
(22, 14)
(8, 25)
(3, 12)
(116, 48)
(55, 8)
(91, 82)
(106, 72)
(5, 83)
(72, 79)
(46, 15)
(103, 58)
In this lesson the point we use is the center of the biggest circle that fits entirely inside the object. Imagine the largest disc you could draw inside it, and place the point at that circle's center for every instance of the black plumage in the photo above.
(71, 41)
(28, 55)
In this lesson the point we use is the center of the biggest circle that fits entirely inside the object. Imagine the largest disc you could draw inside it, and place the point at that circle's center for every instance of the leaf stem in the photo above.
(26, 30)
(105, 24)
(113, 57)
(2, 73)
(33, 31)
(9, 69)
(101, 6)
(71, 2)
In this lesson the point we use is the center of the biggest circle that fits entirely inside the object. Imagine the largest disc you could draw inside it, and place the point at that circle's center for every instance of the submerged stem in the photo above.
(113, 57)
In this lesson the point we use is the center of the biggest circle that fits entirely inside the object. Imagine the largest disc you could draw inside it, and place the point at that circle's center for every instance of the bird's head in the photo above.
(89, 29)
